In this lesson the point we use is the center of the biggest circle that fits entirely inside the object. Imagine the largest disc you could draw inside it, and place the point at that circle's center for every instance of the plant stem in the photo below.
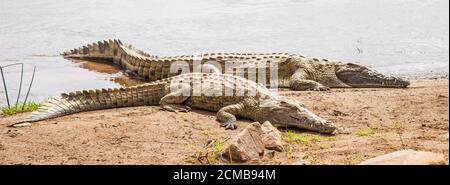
(32, 79)
(6, 90)
(20, 86)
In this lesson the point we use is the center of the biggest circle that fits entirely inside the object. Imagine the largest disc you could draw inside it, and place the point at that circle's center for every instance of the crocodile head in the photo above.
(292, 114)
(356, 75)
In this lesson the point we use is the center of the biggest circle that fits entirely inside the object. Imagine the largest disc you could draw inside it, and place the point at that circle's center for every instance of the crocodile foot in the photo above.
(308, 85)
(176, 108)
(320, 88)
(229, 125)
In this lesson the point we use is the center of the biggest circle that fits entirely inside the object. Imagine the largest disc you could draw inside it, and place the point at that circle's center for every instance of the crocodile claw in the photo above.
(229, 125)
(321, 88)
(177, 108)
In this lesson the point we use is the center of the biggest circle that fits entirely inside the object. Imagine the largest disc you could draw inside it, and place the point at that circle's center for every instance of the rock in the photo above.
(407, 157)
(339, 113)
(253, 142)
(246, 146)
(301, 162)
(271, 137)
(26, 124)
(269, 153)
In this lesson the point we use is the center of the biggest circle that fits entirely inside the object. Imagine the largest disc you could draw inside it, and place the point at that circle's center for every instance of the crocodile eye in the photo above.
(353, 65)
(285, 103)
(288, 105)
(280, 111)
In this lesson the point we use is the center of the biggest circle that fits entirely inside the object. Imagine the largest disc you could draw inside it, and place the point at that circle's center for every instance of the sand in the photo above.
(371, 122)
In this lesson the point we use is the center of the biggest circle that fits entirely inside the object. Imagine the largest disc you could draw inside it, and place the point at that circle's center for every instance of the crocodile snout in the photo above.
(392, 81)
(328, 127)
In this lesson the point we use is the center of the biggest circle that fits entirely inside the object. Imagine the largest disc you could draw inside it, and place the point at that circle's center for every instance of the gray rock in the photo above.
(269, 153)
(407, 157)
(246, 146)
(301, 162)
(271, 137)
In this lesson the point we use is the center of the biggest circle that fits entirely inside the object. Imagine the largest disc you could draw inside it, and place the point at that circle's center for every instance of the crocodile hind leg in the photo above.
(299, 82)
(174, 101)
(304, 85)
(227, 115)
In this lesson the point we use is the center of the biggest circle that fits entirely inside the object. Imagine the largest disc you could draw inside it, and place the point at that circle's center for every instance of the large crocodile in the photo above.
(227, 94)
(294, 71)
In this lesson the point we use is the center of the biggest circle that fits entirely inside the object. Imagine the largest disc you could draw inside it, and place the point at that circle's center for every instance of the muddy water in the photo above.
(394, 36)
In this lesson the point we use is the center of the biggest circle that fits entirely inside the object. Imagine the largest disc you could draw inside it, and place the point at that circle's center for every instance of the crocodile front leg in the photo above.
(299, 82)
(227, 115)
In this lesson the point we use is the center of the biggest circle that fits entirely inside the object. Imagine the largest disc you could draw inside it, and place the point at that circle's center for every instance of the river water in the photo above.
(393, 36)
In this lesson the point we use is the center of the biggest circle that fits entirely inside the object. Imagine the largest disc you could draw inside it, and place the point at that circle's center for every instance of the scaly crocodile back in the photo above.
(154, 67)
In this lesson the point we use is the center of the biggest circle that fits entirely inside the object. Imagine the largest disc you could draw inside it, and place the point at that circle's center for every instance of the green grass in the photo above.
(397, 125)
(291, 136)
(314, 159)
(28, 107)
(216, 149)
(364, 132)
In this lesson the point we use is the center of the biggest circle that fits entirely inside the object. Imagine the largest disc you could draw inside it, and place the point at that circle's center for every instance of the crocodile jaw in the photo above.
(355, 75)
(291, 114)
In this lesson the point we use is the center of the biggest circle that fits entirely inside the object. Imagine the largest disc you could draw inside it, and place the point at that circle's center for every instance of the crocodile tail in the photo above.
(105, 50)
(89, 100)
(128, 57)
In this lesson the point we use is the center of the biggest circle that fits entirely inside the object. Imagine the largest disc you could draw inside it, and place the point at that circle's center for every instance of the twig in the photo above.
(4, 84)
(20, 86)
(9, 65)
(401, 140)
(229, 153)
(26, 97)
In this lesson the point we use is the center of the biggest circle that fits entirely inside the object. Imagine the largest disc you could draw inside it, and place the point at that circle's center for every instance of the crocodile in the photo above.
(294, 71)
(229, 95)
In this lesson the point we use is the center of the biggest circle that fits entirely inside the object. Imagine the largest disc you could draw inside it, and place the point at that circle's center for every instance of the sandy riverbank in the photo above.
(372, 122)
